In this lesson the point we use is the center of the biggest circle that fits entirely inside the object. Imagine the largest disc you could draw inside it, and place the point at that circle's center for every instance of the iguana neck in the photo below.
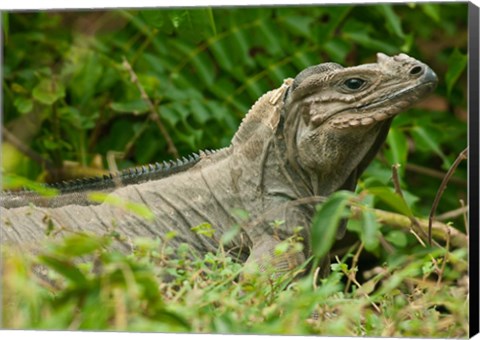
(326, 176)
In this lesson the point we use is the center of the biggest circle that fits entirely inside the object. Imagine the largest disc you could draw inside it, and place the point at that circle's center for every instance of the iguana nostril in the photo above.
(416, 70)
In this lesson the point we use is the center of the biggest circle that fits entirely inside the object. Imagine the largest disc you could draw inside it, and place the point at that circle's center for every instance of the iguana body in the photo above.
(312, 136)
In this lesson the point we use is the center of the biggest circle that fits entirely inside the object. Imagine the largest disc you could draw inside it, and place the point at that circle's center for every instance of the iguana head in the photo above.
(334, 116)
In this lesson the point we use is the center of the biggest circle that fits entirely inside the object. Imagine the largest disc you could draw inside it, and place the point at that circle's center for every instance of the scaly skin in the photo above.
(309, 138)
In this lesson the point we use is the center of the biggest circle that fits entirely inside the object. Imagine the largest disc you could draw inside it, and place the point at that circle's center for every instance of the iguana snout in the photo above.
(400, 82)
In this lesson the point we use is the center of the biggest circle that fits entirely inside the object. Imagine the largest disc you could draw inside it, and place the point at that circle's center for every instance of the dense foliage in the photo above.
(73, 106)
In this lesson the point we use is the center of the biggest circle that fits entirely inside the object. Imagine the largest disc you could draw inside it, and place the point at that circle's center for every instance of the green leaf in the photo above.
(5, 25)
(424, 136)
(366, 288)
(205, 229)
(281, 248)
(137, 208)
(11, 181)
(211, 20)
(84, 83)
(363, 39)
(157, 19)
(240, 214)
(409, 39)
(171, 235)
(76, 118)
(299, 25)
(23, 105)
(48, 91)
(457, 62)
(370, 227)
(398, 147)
(397, 238)
(432, 10)
(222, 54)
(339, 267)
(135, 106)
(64, 268)
(230, 234)
(337, 49)
(326, 221)
(204, 67)
(78, 245)
(394, 23)
(388, 196)
(270, 37)
(193, 24)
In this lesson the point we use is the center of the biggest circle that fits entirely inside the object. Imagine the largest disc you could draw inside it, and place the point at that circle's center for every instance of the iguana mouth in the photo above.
(387, 107)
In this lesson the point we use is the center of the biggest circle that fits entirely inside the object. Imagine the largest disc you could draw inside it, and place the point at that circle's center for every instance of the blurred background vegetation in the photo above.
(71, 107)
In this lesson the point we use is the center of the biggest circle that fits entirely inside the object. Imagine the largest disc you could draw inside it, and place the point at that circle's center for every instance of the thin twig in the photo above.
(441, 189)
(454, 213)
(354, 264)
(465, 218)
(419, 239)
(315, 278)
(387, 246)
(153, 112)
(433, 173)
(354, 280)
(396, 180)
(398, 190)
(445, 259)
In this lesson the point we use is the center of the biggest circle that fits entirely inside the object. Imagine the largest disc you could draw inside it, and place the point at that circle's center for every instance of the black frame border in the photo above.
(473, 164)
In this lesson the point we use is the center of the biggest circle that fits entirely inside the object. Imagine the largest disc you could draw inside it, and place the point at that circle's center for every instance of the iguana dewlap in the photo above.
(312, 136)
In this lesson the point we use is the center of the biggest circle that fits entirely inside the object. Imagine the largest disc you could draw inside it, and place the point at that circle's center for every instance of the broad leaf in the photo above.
(398, 147)
(427, 138)
(65, 268)
(457, 62)
(388, 196)
(394, 23)
(326, 220)
(370, 226)
(78, 245)
(23, 105)
(48, 91)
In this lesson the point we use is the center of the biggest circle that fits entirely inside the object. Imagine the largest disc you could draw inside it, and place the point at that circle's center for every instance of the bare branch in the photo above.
(453, 213)
(439, 229)
(441, 189)
(355, 259)
(433, 173)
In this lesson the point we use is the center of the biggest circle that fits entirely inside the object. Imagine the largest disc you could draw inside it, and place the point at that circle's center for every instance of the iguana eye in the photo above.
(354, 83)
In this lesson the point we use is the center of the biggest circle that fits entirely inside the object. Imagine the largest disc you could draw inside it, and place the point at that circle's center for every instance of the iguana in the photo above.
(310, 137)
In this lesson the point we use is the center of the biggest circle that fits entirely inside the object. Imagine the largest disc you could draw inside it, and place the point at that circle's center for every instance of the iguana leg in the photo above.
(264, 258)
